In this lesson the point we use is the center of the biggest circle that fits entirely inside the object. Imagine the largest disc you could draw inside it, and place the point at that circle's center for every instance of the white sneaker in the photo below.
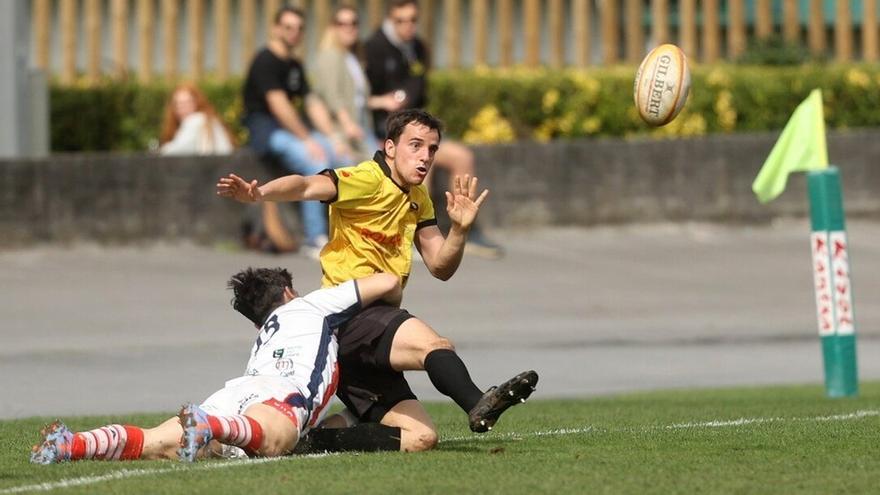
(313, 250)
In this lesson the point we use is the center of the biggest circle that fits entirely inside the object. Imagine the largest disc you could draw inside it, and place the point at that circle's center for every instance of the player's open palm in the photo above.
(462, 204)
(236, 188)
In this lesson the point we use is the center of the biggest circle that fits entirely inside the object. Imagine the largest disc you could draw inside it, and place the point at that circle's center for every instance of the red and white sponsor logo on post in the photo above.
(843, 305)
(822, 281)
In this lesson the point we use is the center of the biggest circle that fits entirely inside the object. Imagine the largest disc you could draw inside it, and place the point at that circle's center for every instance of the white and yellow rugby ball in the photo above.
(662, 84)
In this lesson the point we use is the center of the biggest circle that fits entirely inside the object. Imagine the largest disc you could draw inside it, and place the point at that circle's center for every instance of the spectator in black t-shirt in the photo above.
(397, 62)
(284, 118)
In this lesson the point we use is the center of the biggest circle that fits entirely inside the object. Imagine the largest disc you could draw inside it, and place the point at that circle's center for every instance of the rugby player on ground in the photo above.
(378, 209)
(289, 380)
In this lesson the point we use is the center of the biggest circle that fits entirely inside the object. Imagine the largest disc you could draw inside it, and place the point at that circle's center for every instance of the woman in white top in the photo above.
(191, 125)
(339, 79)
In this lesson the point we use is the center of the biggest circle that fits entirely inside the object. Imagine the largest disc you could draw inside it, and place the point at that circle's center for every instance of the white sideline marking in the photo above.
(134, 473)
(747, 421)
(703, 424)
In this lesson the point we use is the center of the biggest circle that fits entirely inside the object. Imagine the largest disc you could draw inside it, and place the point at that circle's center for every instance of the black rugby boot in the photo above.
(498, 399)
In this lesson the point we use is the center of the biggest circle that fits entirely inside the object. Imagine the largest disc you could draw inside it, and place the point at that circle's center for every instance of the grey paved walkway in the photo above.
(92, 330)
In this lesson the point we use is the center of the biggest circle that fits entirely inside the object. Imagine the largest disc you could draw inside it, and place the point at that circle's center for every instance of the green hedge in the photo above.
(494, 105)
(126, 116)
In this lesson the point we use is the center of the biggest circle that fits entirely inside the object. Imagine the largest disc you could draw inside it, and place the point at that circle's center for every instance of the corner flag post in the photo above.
(831, 276)
(801, 148)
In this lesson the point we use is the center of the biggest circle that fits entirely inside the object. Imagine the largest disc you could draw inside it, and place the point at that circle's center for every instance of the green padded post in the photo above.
(831, 276)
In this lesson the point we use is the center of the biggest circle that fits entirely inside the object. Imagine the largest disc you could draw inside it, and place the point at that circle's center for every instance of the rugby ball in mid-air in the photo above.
(662, 84)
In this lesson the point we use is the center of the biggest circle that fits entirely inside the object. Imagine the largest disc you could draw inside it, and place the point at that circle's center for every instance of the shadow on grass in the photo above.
(476, 444)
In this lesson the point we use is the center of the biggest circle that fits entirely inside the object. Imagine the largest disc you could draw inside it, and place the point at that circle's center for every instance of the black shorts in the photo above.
(368, 386)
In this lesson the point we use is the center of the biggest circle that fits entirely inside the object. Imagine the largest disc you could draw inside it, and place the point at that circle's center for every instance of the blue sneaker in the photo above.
(56, 445)
(196, 432)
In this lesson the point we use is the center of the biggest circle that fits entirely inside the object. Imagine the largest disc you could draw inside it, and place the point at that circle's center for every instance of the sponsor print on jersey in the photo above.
(380, 238)
(285, 366)
(245, 402)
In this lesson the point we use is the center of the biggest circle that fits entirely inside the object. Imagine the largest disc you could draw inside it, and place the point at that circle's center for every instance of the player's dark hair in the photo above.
(289, 9)
(397, 121)
(396, 4)
(258, 291)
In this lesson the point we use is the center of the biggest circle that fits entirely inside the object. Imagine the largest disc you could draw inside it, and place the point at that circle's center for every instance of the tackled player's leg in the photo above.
(110, 443)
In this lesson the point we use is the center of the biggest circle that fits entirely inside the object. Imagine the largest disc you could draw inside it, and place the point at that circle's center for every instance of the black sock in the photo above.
(362, 437)
(450, 377)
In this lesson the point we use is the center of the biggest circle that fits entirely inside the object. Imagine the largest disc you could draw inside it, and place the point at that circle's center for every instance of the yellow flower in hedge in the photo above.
(694, 125)
(527, 74)
(488, 127)
(725, 111)
(591, 125)
(551, 98)
(718, 77)
(857, 78)
(566, 123)
(686, 124)
(543, 132)
(587, 85)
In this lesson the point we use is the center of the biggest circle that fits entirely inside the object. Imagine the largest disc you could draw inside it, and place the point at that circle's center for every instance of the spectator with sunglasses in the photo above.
(339, 79)
(397, 63)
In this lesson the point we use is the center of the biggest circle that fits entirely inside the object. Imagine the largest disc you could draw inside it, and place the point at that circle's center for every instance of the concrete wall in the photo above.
(703, 179)
(118, 198)
(126, 198)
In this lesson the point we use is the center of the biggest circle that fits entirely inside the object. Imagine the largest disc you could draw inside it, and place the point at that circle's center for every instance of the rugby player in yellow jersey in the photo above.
(378, 210)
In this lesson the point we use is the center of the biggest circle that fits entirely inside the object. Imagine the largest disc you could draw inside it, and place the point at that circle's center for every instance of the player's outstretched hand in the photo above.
(236, 188)
(462, 204)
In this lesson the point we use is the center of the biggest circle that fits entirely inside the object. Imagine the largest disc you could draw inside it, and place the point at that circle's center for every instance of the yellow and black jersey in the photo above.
(373, 221)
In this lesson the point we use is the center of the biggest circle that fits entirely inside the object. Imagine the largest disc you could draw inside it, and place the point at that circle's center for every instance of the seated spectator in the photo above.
(287, 122)
(191, 125)
(341, 82)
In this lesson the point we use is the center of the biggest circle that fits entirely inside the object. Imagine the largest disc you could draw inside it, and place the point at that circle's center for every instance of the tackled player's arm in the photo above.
(384, 286)
(441, 255)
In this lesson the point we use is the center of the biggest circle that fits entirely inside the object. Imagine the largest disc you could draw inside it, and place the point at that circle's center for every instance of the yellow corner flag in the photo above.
(801, 147)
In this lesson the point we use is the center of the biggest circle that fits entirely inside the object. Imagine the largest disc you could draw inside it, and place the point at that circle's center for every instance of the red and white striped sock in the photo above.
(110, 443)
(239, 430)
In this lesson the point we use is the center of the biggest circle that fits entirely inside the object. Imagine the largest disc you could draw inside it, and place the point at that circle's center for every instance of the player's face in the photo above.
(290, 29)
(406, 21)
(411, 158)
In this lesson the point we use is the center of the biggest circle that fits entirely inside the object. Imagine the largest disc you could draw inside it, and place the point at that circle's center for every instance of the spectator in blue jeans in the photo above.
(287, 122)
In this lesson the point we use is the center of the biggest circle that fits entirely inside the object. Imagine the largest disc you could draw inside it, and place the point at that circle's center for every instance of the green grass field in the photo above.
(761, 440)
